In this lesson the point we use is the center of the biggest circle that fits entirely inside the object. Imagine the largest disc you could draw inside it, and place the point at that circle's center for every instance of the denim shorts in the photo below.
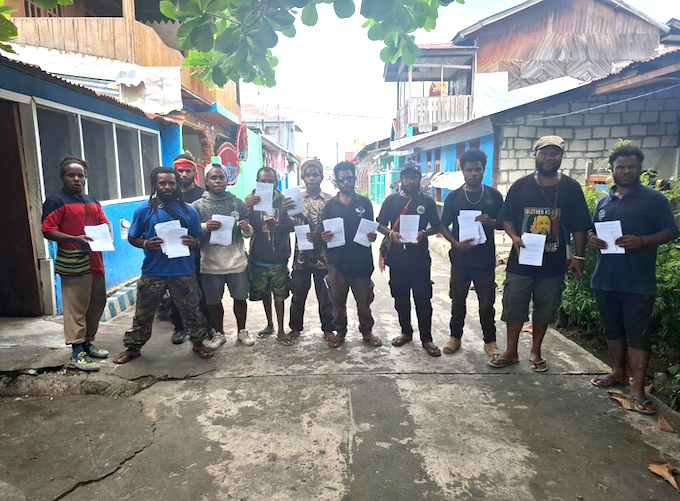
(213, 286)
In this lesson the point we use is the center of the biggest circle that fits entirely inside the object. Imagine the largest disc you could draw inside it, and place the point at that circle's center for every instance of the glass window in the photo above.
(128, 163)
(59, 136)
(150, 158)
(100, 154)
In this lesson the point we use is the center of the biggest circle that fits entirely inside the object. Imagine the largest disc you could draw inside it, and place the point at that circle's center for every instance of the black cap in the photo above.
(411, 166)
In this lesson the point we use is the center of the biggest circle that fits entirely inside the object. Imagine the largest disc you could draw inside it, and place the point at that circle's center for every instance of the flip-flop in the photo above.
(498, 358)
(203, 353)
(124, 358)
(611, 382)
(644, 403)
(401, 340)
(433, 351)
(265, 333)
(286, 340)
(336, 341)
(374, 341)
(533, 365)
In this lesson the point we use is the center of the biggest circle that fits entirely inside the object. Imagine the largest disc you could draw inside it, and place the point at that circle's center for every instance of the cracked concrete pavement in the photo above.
(305, 422)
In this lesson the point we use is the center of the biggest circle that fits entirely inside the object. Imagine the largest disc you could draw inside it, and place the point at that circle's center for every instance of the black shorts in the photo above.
(626, 316)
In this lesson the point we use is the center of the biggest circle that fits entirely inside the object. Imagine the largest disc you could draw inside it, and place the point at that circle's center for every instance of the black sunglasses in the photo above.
(342, 180)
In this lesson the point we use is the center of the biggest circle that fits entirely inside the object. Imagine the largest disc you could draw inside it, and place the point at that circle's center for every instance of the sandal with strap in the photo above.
(401, 340)
(125, 356)
(336, 340)
(373, 340)
(203, 352)
(432, 350)
(265, 333)
(607, 382)
(645, 404)
(286, 340)
(534, 365)
(504, 362)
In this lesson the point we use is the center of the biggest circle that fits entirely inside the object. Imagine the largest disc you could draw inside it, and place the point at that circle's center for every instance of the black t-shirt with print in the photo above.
(482, 256)
(193, 194)
(532, 210)
(410, 257)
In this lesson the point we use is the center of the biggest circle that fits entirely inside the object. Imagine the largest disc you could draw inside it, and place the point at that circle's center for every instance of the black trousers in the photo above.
(485, 286)
(301, 282)
(401, 285)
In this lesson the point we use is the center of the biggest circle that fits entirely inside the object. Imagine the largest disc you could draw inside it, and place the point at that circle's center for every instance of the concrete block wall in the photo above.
(652, 122)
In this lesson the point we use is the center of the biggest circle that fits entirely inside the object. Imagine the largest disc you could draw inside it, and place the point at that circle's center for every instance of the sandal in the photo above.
(535, 365)
(265, 333)
(504, 362)
(607, 382)
(373, 340)
(203, 352)
(645, 404)
(286, 340)
(335, 340)
(432, 350)
(401, 340)
(125, 356)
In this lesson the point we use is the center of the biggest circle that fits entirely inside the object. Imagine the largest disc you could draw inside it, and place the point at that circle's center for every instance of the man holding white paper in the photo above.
(407, 218)
(159, 272)
(223, 259)
(309, 262)
(83, 287)
(624, 284)
(550, 204)
(269, 252)
(472, 207)
(350, 265)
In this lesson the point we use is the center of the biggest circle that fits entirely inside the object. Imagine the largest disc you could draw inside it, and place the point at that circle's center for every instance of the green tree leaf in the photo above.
(202, 37)
(219, 77)
(168, 10)
(343, 8)
(183, 36)
(309, 14)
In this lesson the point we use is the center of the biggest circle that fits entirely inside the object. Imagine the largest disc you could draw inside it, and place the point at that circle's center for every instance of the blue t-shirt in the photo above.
(643, 211)
(157, 264)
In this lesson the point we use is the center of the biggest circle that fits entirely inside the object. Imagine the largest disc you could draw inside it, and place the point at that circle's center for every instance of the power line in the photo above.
(337, 114)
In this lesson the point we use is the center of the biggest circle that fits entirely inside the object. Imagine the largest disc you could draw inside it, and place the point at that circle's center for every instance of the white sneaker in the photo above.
(217, 340)
(245, 338)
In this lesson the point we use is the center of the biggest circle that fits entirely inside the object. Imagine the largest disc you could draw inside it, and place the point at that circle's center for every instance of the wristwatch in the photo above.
(579, 258)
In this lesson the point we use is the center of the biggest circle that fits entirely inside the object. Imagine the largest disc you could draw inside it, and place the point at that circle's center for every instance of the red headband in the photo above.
(184, 162)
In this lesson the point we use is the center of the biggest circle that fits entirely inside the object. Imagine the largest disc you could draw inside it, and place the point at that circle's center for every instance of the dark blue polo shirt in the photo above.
(644, 211)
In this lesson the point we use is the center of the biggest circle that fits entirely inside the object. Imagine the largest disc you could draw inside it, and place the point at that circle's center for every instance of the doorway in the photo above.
(19, 282)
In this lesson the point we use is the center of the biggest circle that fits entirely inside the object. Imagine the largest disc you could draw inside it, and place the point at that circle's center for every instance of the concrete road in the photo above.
(306, 422)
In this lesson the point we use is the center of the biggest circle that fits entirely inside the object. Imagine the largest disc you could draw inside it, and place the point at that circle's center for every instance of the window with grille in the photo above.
(33, 10)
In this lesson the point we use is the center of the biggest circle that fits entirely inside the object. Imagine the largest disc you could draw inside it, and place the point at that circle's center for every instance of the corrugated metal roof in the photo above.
(39, 72)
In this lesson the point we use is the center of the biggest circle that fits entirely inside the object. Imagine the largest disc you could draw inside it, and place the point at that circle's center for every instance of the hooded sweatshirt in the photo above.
(221, 259)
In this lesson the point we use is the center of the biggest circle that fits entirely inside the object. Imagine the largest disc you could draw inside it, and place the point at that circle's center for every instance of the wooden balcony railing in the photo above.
(427, 112)
(121, 39)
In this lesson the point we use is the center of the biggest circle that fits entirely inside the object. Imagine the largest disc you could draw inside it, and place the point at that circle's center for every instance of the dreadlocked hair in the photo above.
(153, 198)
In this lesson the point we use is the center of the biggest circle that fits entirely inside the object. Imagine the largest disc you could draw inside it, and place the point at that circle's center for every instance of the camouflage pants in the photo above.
(185, 293)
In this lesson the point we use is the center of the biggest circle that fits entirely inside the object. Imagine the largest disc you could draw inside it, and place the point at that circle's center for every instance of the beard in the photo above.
(346, 190)
(166, 198)
(546, 171)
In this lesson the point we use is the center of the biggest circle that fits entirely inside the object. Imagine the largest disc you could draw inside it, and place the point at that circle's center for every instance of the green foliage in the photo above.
(232, 39)
(8, 31)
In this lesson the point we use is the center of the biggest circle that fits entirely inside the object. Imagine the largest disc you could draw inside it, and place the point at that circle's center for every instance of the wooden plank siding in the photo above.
(121, 39)
(424, 113)
(578, 38)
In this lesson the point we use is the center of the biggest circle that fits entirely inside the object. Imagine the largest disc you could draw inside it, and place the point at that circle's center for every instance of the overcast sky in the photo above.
(333, 68)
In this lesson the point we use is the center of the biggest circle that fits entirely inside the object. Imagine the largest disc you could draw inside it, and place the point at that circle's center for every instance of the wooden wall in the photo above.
(578, 38)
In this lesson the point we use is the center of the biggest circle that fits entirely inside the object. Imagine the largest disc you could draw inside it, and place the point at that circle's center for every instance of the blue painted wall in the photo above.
(449, 156)
(486, 145)
(171, 142)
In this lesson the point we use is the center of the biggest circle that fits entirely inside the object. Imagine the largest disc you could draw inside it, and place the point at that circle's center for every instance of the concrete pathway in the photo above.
(307, 422)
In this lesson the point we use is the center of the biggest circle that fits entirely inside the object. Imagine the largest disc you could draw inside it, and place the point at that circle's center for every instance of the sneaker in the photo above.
(83, 362)
(217, 340)
(492, 349)
(451, 346)
(178, 336)
(95, 352)
(245, 338)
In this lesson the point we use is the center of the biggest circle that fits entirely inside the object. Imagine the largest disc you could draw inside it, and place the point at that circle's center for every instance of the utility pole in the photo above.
(307, 150)
(337, 154)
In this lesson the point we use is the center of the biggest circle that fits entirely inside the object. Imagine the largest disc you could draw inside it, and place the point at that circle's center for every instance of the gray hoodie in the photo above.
(220, 259)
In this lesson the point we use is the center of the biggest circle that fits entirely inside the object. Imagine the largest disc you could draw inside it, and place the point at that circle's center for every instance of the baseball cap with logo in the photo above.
(411, 166)
(549, 141)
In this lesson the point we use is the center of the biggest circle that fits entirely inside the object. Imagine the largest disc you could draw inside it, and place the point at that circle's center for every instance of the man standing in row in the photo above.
(83, 285)
(551, 204)
(472, 262)
(410, 263)
(160, 273)
(311, 264)
(186, 167)
(269, 254)
(350, 266)
(223, 264)
(624, 283)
